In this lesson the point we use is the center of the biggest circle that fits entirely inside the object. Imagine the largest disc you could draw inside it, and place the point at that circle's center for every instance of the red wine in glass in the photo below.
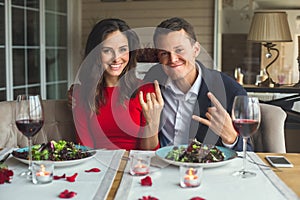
(29, 120)
(245, 127)
(246, 120)
(29, 127)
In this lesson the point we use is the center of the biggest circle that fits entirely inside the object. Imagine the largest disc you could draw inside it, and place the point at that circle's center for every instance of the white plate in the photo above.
(61, 163)
(229, 155)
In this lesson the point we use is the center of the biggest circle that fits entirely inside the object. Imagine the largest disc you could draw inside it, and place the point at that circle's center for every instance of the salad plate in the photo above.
(229, 155)
(64, 163)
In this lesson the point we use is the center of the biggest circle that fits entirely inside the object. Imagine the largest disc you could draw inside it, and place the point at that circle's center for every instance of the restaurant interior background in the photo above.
(42, 41)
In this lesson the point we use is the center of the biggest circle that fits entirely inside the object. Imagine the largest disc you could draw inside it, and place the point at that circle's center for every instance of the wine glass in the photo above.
(246, 120)
(29, 120)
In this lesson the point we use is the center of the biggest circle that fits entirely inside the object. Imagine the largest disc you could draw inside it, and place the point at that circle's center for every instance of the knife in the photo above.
(4, 158)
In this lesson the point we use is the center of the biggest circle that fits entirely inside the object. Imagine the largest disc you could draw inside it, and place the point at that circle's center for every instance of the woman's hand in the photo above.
(218, 120)
(151, 109)
(153, 106)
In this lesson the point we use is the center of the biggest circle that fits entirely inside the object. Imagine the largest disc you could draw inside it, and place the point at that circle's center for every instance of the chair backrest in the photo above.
(58, 124)
(270, 137)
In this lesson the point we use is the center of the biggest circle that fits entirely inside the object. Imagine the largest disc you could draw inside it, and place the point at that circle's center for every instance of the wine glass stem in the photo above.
(245, 153)
(30, 153)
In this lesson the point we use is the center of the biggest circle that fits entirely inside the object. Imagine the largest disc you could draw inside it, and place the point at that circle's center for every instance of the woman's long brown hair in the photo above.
(128, 80)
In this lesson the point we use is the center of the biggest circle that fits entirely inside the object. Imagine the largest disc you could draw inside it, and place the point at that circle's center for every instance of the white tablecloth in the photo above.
(217, 183)
(87, 185)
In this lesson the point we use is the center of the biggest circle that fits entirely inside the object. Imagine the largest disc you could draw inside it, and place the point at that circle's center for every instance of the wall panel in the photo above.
(149, 13)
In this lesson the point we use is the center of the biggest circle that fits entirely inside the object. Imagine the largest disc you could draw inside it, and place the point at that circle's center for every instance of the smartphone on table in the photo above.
(279, 161)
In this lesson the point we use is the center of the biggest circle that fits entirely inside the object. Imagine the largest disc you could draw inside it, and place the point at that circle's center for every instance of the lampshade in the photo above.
(270, 27)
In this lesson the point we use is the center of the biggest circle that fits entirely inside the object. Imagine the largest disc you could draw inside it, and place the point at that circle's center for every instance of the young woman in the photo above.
(113, 110)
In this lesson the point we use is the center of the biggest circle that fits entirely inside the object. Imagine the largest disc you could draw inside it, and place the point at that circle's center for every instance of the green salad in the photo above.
(196, 152)
(55, 151)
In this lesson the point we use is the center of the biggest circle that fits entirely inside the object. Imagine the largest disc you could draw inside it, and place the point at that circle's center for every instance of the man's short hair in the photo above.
(174, 24)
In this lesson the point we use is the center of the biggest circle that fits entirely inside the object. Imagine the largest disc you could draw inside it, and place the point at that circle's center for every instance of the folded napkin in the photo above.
(5, 151)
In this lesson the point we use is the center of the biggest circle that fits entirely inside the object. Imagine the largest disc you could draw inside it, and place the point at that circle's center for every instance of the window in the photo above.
(56, 48)
(33, 48)
(2, 51)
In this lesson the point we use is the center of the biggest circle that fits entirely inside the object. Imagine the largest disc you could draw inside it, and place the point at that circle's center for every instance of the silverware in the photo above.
(4, 158)
(263, 165)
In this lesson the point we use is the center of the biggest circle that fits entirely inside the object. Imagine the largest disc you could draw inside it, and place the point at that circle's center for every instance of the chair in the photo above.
(270, 137)
(58, 124)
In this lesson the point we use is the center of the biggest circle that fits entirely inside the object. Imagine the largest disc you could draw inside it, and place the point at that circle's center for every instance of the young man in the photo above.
(192, 91)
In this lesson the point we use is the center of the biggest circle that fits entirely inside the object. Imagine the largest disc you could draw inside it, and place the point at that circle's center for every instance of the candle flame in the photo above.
(191, 171)
(191, 174)
(43, 168)
(43, 171)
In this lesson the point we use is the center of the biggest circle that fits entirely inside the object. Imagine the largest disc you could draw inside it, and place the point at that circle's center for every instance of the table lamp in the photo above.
(268, 27)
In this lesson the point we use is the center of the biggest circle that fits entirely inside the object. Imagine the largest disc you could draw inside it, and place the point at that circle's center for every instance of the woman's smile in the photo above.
(116, 67)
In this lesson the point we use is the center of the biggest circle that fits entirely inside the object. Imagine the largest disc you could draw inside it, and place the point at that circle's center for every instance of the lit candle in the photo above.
(140, 169)
(140, 164)
(42, 175)
(191, 179)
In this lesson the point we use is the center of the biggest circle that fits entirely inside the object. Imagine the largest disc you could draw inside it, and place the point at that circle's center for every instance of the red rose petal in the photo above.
(71, 194)
(148, 198)
(63, 194)
(147, 181)
(9, 173)
(59, 177)
(93, 170)
(5, 175)
(197, 198)
(71, 178)
(66, 194)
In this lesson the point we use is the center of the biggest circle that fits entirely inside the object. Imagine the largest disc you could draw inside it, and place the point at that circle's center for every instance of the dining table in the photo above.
(290, 176)
(93, 177)
(115, 182)
(218, 182)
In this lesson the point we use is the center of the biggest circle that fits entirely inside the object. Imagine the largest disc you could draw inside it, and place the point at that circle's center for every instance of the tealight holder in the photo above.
(190, 176)
(139, 164)
(42, 172)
